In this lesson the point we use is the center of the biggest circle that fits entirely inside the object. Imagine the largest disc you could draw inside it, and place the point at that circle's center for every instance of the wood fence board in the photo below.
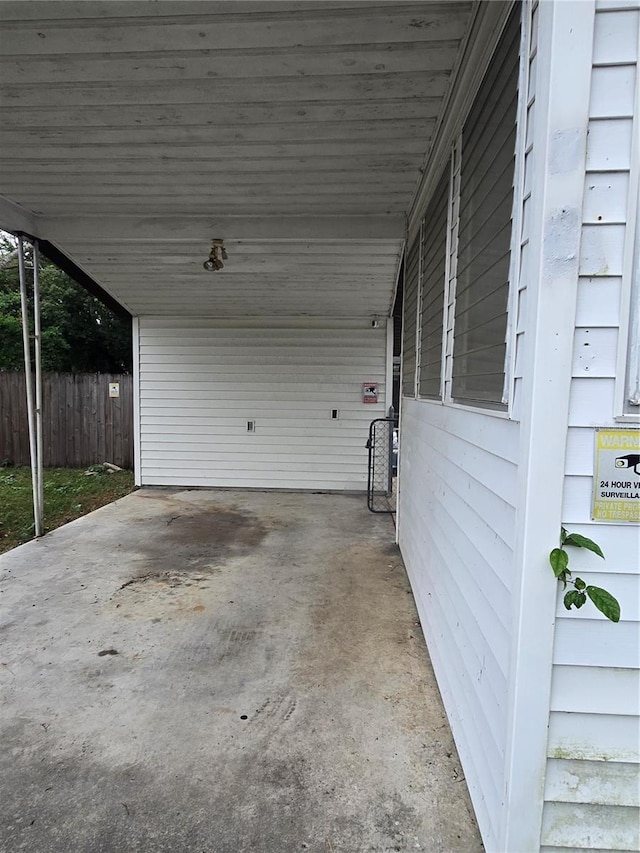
(81, 426)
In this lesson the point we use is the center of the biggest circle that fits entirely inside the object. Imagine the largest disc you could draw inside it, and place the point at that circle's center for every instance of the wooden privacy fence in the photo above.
(82, 425)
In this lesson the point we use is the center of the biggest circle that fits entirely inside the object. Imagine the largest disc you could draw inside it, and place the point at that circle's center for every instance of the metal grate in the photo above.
(381, 465)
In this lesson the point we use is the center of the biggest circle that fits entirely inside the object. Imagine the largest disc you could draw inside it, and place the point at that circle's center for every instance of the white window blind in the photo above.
(486, 201)
(409, 323)
(433, 269)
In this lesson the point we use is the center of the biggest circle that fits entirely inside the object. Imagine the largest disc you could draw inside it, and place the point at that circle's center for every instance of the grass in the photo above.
(68, 494)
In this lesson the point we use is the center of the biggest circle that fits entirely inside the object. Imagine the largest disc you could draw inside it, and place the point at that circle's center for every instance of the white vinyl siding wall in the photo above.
(457, 528)
(201, 381)
(456, 532)
(592, 788)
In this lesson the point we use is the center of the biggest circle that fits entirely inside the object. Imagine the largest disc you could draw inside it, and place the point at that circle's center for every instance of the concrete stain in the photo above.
(190, 546)
(219, 526)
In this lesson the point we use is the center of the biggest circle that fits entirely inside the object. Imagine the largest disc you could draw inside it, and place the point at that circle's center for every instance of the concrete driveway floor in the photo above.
(217, 672)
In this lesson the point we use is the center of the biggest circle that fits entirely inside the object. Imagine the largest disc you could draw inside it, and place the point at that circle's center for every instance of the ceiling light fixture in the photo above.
(217, 255)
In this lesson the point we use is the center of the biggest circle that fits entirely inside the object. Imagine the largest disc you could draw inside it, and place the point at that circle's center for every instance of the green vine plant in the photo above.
(577, 596)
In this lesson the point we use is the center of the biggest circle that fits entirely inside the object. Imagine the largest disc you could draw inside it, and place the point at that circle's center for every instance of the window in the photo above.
(484, 228)
(411, 282)
(433, 269)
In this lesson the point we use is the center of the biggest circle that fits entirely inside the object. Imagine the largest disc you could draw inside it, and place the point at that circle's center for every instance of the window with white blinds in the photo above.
(409, 321)
(484, 230)
(433, 269)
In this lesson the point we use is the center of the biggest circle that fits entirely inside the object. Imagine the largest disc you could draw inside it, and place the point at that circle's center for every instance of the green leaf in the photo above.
(563, 535)
(575, 598)
(579, 583)
(559, 560)
(605, 602)
(570, 598)
(583, 542)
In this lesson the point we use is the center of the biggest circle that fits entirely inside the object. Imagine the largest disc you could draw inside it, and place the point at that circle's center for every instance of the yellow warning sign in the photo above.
(616, 479)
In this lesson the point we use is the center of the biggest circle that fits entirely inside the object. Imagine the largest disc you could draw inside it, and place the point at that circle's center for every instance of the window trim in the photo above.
(527, 54)
(629, 311)
(452, 269)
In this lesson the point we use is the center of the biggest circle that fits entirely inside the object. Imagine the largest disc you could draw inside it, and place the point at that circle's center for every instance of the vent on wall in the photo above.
(251, 426)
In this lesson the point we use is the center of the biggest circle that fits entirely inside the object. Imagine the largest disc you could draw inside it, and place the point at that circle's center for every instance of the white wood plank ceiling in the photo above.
(132, 133)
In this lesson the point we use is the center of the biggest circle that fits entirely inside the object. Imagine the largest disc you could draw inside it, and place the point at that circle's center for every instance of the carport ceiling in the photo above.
(135, 132)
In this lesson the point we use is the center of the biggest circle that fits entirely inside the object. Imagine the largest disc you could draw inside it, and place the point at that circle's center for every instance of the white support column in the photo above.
(560, 138)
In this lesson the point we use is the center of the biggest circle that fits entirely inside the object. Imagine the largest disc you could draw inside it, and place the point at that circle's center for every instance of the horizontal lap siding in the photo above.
(202, 381)
(457, 522)
(594, 728)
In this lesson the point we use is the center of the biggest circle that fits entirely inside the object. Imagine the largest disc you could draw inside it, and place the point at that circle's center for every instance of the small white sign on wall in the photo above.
(114, 389)
(616, 479)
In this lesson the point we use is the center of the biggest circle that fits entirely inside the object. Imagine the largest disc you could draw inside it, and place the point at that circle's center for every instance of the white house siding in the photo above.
(457, 517)
(457, 530)
(201, 381)
(592, 786)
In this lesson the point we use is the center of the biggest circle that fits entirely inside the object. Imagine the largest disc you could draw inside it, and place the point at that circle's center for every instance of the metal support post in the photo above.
(38, 364)
(31, 412)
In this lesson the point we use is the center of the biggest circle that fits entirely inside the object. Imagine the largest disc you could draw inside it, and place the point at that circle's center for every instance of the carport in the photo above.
(229, 671)
(485, 156)
(222, 671)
